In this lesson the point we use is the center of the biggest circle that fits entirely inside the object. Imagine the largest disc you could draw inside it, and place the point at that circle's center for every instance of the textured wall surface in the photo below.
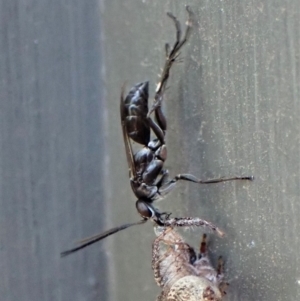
(233, 108)
(51, 144)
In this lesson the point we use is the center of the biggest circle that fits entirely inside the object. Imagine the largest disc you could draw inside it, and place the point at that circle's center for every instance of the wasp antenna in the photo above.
(93, 239)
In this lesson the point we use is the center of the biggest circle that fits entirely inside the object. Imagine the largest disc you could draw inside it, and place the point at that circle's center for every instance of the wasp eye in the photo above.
(144, 209)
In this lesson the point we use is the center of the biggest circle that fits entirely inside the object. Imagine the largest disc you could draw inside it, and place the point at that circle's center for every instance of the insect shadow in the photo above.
(181, 272)
(149, 180)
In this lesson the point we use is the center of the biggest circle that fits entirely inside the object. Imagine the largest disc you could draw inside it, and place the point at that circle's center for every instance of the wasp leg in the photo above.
(157, 129)
(164, 178)
(178, 44)
(159, 115)
(171, 56)
(168, 186)
(191, 178)
(191, 221)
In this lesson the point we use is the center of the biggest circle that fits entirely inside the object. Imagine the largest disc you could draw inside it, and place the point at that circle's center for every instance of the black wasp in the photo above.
(149, 180)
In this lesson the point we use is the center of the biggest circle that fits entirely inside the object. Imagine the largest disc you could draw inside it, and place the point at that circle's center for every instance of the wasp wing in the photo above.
(128, 147)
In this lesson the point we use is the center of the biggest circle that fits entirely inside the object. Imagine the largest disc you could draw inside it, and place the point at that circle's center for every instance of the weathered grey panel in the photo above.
(51, 170)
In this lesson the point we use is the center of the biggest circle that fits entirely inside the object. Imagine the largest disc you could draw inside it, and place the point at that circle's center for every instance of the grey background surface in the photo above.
(232, 107)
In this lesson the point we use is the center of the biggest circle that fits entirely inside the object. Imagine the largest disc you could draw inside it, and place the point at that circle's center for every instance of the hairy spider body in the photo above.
(183, 274)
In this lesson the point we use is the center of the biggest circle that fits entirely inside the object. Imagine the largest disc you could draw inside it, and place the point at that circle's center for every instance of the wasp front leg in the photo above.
(191, 221)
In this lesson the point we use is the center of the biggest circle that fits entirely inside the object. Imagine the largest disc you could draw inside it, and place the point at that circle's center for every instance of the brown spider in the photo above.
(182, 274)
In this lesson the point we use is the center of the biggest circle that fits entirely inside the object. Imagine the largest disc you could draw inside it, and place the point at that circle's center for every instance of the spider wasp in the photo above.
(149, 180)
